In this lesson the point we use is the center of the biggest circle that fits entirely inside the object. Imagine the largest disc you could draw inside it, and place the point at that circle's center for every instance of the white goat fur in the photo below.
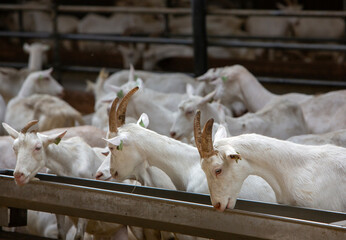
(72, 157)
(323, 113)
(149, 176)
(11, 79)
(300, 175)
(337, 138)
(183, 122)
(51, 112)
(238, 84)
(281, 118)
(178, 160)
(161, 82)
(91, 135)
(28, 105)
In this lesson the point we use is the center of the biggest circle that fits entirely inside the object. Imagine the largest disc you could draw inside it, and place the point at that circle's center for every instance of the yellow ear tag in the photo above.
(120, 147)
(57, 141)
(238, 158)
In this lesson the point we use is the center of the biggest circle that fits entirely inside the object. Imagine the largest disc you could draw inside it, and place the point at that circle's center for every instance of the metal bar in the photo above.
(276, 13)
(56, 53)
(298, 39)
(166, 32)
(220, 42)
(21, 236)
(292, 81)
(277, 45)
(158, 213)
(146, 10)
(24, 7)
(246, 205)
(238, 12)
(302, 81)
(93, 37)
(43, 35)
(200, 54)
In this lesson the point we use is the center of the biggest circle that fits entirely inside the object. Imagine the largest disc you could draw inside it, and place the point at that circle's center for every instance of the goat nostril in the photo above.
(173, 134)
(218, 205)
(116, 174)
(98, 175)
(18, 174)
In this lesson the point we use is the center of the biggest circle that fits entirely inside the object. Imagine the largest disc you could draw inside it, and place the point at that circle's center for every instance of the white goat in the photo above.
(301, 175)
(326, 112)
(281, 118)
(52, 111)
(236, 83)
(90, 134)
(160, 82)
(322, 113)
(11, 79)
(137, 144)
(37, 55)
(72, 157)
(148, 176)
(183, 122)
(337, 138)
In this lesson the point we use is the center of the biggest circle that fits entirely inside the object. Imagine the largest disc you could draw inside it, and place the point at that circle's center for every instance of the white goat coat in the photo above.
(178, 160)
(301, 175)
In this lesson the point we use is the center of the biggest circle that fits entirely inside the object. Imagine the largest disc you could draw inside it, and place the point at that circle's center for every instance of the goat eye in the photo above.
(218, 171)
(190, 112)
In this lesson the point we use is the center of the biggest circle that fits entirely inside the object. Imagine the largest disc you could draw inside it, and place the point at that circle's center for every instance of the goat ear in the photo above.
(143, 120)
(116, 141)
(131, 73)
(11, 131)
(220, 133)
(54, 138)
(90, 86)
(48, 71)
(233, 156)
(139, 83)
(105, 153)
(189, 90)
(207, 98)
(26, 47)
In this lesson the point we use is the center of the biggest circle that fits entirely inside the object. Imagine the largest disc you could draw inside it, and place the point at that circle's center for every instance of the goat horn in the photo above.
(121, 112)
(28, 125)
(197, 131)
(112, 119)
(207, 141)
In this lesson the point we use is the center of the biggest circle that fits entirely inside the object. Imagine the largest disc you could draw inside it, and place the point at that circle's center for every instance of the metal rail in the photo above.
(163, 10)
(199, 42)
(185, 213)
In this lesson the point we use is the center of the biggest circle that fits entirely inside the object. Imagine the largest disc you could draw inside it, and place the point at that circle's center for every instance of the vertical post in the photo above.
(56, 53)
(168, 4)
(20, 22)
(199, 36)
(344, 8)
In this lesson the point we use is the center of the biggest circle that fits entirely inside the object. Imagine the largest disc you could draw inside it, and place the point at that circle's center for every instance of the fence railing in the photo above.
(198, 40)
(168, 210)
